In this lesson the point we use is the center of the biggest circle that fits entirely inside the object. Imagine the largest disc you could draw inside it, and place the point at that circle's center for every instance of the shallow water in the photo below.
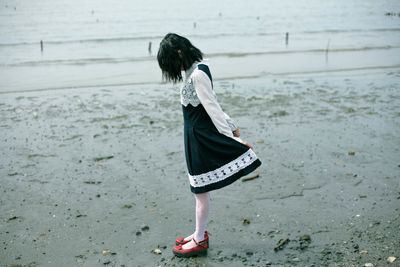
(95, 43)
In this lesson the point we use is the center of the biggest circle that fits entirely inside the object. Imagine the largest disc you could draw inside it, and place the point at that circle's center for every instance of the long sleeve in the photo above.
(230, 122)
(208, 99)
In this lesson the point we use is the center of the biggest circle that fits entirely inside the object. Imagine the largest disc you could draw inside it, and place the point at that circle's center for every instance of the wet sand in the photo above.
(103, 169)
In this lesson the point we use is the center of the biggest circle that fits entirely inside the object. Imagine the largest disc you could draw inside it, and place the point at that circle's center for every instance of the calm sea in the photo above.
(93, 43)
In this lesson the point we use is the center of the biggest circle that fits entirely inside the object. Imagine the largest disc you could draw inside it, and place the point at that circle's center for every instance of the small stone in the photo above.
(296, 260)
(305, 238)
(391, 259)
(249, 253)
(145, 227)
(156, 251)
(368, 265)
(246, 221)
(364, 252)
(260, 141)
(106, 252)
(352, 152)
(35, 115)
(138, 233)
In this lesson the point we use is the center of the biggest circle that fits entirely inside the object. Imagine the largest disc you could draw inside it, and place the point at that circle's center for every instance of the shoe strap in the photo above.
(202, 244)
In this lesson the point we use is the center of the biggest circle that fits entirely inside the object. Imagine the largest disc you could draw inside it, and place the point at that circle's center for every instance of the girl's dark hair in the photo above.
(169, 60)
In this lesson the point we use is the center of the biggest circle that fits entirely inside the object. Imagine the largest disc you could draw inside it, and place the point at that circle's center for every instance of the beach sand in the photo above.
(97, 176)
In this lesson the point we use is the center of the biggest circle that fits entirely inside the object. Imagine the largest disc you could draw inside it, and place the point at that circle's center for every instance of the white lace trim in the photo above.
(225, 171)
(189, 95)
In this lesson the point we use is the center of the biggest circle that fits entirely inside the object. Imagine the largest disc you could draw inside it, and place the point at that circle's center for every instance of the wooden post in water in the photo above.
(327, 50)
(41, 46)
(287, 38)
(149, 48)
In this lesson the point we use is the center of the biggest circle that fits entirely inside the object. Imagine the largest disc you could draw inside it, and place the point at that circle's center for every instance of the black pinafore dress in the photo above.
(214, 160)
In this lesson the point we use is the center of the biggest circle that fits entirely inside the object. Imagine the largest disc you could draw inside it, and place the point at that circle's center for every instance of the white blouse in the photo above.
(197, 89)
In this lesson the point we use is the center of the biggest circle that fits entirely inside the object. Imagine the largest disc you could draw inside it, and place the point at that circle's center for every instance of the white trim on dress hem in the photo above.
(229, 169)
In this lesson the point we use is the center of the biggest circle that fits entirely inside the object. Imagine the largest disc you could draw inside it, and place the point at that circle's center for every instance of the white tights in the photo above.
(202, 213)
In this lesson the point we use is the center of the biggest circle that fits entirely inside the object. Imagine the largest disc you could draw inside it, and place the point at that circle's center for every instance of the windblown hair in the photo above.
(170, 62)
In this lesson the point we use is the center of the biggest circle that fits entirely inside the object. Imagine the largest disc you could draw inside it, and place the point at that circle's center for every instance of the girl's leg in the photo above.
(202, 213)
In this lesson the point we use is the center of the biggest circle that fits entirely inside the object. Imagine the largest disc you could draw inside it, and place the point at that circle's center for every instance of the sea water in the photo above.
(94, 43)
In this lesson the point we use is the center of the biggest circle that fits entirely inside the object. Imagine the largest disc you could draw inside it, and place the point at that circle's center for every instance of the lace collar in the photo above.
(188, 92)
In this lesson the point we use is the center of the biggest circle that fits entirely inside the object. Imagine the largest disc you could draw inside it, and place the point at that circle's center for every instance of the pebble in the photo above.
(368, 265)
(145, 227)
(157, 251)
(106, 252)
(246, 221)
(352, 152)
(305, 238)
(391, 259)
(296, 260)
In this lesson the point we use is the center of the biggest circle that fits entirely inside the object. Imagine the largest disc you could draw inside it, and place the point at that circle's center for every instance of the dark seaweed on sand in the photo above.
(103, 158)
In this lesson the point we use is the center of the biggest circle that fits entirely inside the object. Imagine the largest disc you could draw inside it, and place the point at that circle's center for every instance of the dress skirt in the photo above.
(214, 160)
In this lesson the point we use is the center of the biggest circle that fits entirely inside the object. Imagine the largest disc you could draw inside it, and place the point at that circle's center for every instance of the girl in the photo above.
(215, 155)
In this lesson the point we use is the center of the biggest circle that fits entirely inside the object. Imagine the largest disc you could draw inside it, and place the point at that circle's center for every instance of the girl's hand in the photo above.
(247, 144)
(236, 133)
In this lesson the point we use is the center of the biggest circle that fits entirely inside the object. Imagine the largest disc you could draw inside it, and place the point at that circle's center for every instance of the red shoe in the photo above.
(182, 241)
(200, 249)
